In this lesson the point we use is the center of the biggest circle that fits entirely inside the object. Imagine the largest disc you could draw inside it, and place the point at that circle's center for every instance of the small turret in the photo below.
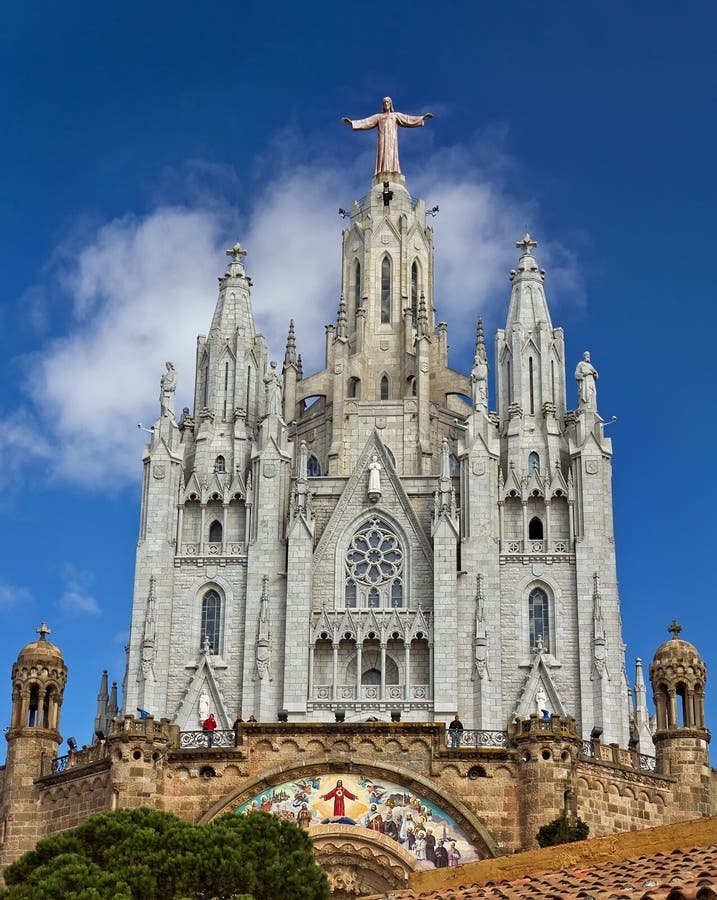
(38, 683)
(678, 675)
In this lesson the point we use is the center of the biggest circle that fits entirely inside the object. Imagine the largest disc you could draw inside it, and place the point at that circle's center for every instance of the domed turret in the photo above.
(38, 680)
(678, 671)
(678, 677)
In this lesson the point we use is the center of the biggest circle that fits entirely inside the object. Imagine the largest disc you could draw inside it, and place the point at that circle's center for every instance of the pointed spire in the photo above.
(299, 367)
(479, 372)
(102, 712)
(528, 305)
(342, 327)
(102, 694)
(112, 706)
(290, 353)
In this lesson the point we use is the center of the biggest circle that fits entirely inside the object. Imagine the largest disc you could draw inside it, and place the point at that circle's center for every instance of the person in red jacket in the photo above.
(208, 726)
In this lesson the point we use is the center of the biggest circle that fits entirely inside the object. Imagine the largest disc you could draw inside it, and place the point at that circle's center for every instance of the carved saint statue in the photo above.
(479, 381)
(273, 391)
(387, 122)
(203, 705)
(167, 388)
(586, 376)
(374, 479)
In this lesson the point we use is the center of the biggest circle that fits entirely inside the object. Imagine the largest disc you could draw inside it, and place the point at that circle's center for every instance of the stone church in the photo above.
(355, 556)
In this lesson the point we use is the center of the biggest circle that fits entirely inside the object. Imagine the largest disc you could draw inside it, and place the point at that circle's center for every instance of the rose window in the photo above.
(374, 566)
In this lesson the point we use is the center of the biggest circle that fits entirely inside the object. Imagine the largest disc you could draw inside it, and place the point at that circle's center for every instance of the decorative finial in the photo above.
(43, 630)
(675, 629)
(341, 329)
(236, 252)
(527, 244)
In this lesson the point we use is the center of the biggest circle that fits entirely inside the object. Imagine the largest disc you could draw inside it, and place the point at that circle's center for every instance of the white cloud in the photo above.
(142, 288)
(13, 595)
(77, 596)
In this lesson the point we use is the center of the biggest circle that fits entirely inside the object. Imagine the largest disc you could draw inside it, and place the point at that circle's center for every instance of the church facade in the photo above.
(336, 564)
(374, 537)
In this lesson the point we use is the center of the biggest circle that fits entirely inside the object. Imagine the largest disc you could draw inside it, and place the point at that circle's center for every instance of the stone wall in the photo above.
(498, 796)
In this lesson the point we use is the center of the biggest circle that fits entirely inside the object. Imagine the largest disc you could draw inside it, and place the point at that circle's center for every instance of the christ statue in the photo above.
(387, 123)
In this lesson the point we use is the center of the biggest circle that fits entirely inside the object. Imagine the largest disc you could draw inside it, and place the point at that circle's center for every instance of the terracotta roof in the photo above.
(687, 874)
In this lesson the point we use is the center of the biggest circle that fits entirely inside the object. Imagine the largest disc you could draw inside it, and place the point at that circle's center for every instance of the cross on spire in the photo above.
(43, 630)
(675, 628)
(527, 244)
(236, 252)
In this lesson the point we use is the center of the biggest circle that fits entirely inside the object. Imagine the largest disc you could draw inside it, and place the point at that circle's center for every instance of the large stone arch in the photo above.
(357, 865)
(321, 765)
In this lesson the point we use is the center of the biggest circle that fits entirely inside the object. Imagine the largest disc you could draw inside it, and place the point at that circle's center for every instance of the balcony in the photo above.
(229, 551)
(562, 548)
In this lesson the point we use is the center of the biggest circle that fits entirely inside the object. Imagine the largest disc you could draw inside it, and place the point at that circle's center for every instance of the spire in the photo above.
(479, 372)
(112, 706)
(528, 305)
(290, 353)
(342, 329)
(102, 702)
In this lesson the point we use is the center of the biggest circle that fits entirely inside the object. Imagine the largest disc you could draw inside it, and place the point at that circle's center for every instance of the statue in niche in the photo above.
(541, 700)
(168, 386)
(374, 479)
(387, 122)
(273, 391)
(586, 376)
(203, 705)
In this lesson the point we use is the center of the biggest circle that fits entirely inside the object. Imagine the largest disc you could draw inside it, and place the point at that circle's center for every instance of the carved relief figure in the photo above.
(387, 122)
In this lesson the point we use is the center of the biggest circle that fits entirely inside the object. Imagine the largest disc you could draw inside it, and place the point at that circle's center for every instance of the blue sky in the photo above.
(140, 140)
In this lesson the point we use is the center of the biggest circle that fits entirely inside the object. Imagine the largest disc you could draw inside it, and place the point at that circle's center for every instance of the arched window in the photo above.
(533, 463)
(220, 464)
(211, 620)
(530, 385)
(357, 289)
(371, 676)
(539, 619)
(313, 467)
(454, 466)
(384, 389)
(374, 566)
(535, 529)
(215, 532)
(386, 290)
(414, 291)
(353, 388)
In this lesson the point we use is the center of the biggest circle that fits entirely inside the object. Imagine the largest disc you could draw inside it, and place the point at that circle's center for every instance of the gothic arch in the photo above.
(552, 589)
(320, 765)
(195, 593)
